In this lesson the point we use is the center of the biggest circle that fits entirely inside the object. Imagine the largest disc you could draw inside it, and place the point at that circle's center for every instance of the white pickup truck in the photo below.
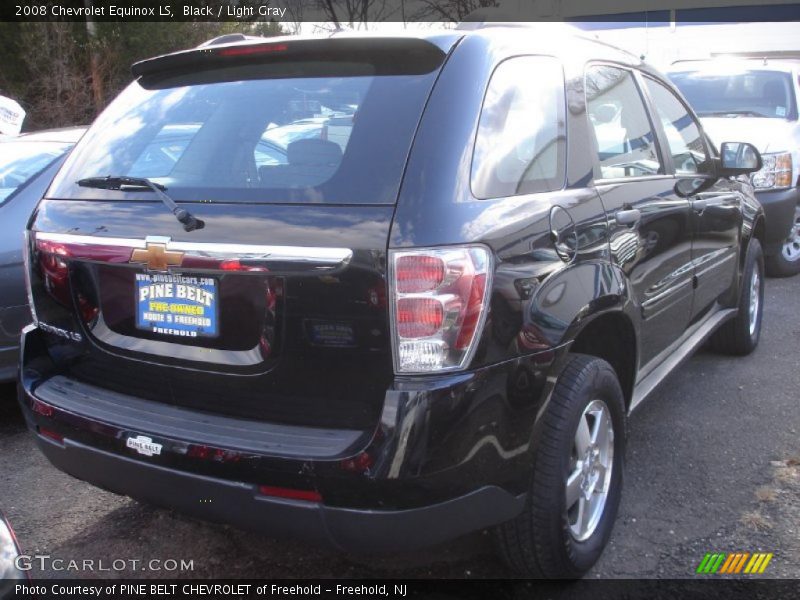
(756, 100)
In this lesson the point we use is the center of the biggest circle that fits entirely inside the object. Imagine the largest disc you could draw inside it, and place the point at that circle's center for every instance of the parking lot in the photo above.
(713, 464)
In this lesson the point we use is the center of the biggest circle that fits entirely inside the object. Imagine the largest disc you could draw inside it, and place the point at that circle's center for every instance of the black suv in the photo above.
(411, 287)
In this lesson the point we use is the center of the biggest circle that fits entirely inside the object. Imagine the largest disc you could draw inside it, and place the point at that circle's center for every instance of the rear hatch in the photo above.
(291, 153)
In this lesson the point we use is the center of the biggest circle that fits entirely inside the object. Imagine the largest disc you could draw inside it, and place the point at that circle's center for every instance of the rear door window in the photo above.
(520, 147)
(626, 144)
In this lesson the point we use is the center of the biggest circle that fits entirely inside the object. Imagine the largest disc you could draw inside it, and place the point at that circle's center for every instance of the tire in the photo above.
(542, 541)
(786, 261)
(740, 335)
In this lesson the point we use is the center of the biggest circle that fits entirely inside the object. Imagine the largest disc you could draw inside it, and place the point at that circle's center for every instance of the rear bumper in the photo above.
(240, 504)
(448, 457)
(779, 207)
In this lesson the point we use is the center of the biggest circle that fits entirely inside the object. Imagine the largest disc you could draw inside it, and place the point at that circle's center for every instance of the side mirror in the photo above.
(738, 158)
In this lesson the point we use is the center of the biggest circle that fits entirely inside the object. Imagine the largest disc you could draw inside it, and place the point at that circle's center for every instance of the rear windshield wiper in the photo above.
(124, 183)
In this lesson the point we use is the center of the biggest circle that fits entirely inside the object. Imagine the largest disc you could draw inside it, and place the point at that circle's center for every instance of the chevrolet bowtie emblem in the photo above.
(157, 257)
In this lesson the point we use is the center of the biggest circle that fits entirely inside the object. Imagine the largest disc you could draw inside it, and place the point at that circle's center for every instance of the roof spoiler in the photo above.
(388, 55)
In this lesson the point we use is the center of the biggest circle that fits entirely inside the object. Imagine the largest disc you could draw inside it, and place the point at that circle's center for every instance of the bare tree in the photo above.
(356, 13)
(94, 59)
(450, 10)
(295, 12)
(58, 94)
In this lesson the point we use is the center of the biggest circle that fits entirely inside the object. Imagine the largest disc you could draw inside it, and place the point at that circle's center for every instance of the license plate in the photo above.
(177, 306)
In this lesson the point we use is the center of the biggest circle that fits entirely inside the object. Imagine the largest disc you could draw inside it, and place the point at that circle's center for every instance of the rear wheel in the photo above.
(786, 262)
(740, 335)
(577, 476)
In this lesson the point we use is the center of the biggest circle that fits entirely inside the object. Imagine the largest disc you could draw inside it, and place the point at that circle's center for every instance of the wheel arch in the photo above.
(611, 336)
(600, 319)
(758, 232)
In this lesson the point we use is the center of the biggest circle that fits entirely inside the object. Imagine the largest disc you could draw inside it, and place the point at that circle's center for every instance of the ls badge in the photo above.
(143, 445)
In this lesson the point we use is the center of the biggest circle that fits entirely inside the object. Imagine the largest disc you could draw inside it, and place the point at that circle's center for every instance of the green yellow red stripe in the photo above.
(723, 563)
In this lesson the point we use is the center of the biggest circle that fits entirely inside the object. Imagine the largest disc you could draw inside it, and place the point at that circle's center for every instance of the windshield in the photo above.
(20, 160)
(748, 93)
(259, 133)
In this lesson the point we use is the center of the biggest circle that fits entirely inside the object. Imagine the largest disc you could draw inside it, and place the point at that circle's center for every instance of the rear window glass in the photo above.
(521, 143)
(258, 133)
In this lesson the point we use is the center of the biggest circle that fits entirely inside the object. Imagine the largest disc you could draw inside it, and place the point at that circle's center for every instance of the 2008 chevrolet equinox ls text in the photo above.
(384, 291)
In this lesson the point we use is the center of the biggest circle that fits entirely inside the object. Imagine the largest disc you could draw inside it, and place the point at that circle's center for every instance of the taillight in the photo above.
(439, 303)
(419, 317)
(419, 273)
(51, 259)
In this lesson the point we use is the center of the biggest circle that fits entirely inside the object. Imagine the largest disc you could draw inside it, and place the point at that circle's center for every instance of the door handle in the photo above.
(628, 217)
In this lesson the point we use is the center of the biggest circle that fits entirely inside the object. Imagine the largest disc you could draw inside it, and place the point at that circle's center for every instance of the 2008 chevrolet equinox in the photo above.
(384, 291)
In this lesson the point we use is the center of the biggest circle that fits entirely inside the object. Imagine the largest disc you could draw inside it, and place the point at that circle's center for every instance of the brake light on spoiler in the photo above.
(439, 302)
(250, 50)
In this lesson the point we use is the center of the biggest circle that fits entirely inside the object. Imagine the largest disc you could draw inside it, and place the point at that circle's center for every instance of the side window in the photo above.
(625, 140)
(683, 134)
(521, 143)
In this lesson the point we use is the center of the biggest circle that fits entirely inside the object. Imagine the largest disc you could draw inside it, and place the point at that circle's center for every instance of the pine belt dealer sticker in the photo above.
(144, 445)
(177, 306)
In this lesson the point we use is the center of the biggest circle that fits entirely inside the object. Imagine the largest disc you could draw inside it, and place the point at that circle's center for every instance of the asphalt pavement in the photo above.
(713, 465)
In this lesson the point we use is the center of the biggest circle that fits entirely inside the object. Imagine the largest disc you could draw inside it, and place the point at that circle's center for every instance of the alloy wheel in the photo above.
(589, 479)
(791, 247)
(755, 298)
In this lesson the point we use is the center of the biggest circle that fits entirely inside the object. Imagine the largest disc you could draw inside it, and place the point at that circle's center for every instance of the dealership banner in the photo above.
(11, 116)
(346, 13)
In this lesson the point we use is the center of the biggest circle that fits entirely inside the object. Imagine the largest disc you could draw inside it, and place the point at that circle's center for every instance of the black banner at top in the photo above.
(352, 12)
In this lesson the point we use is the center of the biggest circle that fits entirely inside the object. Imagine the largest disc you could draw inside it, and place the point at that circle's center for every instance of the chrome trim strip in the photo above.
(219, 359)
(333, 256)
(669, 291)
(90, 240)
(676, 353)
(301, 254)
